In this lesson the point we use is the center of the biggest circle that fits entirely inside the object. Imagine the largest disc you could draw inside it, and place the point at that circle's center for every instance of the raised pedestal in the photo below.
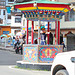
(39, 56)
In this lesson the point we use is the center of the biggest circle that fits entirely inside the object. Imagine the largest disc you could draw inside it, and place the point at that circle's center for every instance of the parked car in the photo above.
(64, 64)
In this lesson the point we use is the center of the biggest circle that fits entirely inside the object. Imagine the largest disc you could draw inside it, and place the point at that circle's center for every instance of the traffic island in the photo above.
(39, 56)
(34, 66)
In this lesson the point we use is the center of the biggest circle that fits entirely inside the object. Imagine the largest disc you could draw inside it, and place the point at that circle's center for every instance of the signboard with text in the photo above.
(5, 32)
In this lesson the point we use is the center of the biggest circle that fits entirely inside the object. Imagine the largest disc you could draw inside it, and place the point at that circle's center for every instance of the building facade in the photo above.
(9, 19)
(67, 26)
(16, 18)
(3, 18)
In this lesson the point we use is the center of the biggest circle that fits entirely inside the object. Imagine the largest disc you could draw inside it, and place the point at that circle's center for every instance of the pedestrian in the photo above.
(13, 41)
(35, 41)
(50, 38)
(21, 40)
(63, 45)
(24, 38)
(43, 35)
(16, 41)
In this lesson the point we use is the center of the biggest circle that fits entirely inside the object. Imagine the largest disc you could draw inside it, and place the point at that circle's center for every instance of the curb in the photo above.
(34, 66)
(7, 49)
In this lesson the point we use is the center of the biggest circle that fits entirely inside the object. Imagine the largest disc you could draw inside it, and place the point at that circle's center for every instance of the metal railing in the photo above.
(6, 42)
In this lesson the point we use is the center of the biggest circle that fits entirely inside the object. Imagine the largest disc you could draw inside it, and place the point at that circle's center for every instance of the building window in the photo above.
(67, 17)
(70, 16)
(10, 0)
(1, 21)
(9, 16)
(0, 12)
(2, 3)
(3, 12)
(17, 20)
(16, 31)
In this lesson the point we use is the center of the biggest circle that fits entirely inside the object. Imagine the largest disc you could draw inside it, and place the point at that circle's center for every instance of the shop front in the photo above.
(5, 30)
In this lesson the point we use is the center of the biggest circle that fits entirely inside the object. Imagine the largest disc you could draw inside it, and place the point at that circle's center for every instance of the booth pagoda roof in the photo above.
(42, 9)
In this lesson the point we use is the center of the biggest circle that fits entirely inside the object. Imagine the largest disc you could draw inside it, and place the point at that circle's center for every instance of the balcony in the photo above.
(10, 0)
(20, 1)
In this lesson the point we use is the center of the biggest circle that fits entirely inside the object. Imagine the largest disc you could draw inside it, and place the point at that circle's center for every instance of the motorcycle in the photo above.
(17, 46)
(20, 48)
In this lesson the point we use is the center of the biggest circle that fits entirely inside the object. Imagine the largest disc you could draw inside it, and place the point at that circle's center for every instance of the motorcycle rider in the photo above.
(16, 44)
(21, 44)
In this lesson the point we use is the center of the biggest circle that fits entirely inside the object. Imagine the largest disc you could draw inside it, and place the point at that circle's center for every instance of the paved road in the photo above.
(5, 70)
(8, 60)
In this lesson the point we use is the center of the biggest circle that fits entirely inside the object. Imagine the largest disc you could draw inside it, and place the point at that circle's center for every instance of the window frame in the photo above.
(9, 16)
(18, 20)
(10, 0)
(70, 16)
(1, 20)
(0, 12)
(3, 12)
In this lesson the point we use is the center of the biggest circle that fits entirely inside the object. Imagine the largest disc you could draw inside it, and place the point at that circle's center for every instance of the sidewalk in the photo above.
(7, 48)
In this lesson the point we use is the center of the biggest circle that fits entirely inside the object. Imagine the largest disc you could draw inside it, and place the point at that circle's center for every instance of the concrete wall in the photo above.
(13, 24)
(8, 21)
(13, 30)
(67, 24)
(64, 24)
(2, 16)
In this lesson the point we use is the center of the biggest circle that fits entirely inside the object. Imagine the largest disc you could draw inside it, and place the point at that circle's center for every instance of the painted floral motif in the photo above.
(47, 54)
(30, 53)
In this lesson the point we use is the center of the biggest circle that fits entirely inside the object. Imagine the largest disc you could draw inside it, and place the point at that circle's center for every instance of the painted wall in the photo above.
(30, 54)
(48, 53)
(41, 53)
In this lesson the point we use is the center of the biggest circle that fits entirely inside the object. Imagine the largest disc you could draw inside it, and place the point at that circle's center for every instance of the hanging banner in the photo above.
(8, 9)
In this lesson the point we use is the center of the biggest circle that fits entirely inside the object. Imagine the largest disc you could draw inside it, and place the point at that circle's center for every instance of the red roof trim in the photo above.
(43, 5)
(53, 5)
(23, 5)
